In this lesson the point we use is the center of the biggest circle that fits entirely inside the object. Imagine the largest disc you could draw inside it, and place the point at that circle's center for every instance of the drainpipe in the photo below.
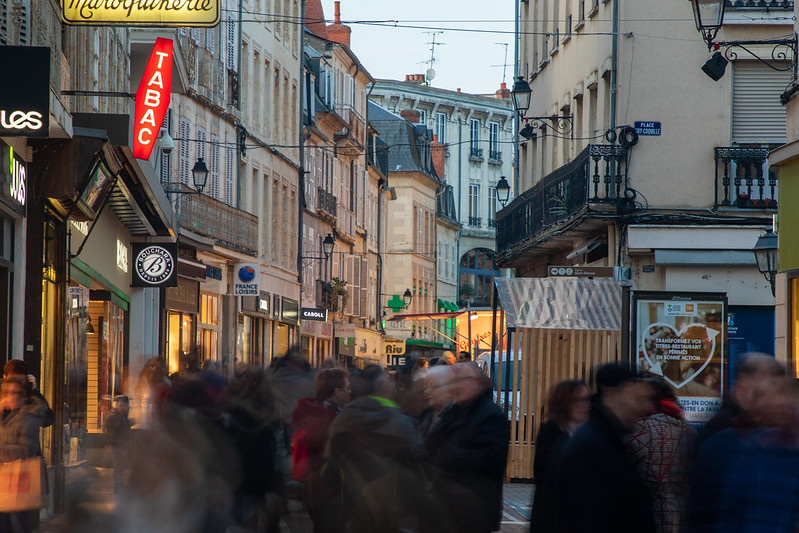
(614, 53)
(301, 143)
(239, 127)
(516, 124)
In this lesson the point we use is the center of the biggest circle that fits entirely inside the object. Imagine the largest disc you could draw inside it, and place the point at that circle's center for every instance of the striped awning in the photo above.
(561, 303)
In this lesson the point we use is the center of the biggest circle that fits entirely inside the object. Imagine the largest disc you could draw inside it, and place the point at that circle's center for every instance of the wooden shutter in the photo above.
(757, 114)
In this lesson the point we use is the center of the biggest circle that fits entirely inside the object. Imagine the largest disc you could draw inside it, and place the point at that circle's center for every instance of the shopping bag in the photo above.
(21, 485)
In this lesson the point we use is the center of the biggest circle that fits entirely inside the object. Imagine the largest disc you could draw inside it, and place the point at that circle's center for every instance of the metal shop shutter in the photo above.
(757, 114)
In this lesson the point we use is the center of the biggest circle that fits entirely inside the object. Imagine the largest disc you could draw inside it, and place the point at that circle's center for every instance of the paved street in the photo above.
(99, 499)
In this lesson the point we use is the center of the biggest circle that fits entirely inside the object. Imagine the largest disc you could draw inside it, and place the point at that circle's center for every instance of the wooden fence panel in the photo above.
(546, 357)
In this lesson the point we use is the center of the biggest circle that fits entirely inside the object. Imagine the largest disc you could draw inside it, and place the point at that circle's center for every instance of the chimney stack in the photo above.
(411, 115)
(503, 91)
(338, 32)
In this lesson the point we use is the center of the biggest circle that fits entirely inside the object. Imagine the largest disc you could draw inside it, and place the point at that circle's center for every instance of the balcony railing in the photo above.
(228, 226)
(326, 202)
(476, 153)
(494, 156)
(475, 222)
(785, 5)
(492, 223)
(597, 175)
(743, 178)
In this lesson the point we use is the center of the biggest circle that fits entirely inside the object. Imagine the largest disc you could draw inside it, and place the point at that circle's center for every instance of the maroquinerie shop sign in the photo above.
(201, 13)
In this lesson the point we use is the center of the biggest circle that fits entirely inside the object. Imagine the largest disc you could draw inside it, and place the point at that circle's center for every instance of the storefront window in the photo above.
(179, 345)
(794, 351)
(208, 327)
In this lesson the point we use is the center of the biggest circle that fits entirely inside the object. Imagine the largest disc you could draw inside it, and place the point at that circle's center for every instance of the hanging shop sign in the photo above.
(192, 13)
(152, 98)
(15, 179)
(393, 347)
(25, 91)
(155, 265)
(680, 337)
(314, 313)
(247, 279)
(290, 311)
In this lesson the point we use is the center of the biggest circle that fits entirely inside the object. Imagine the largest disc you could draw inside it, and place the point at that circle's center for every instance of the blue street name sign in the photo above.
(647, 128)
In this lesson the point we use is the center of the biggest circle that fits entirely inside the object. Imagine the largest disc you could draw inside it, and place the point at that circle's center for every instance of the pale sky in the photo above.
(466, 59)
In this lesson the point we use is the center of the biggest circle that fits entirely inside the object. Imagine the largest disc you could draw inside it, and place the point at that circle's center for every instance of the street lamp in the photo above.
(503, 191)
(327, 245)
(407, 297)
(199, 174)
(521, 93)
(709, 17)
(766, 255)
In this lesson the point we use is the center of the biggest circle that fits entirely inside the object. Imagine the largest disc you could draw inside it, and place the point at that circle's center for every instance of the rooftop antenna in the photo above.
(505, 63)
(431, 73)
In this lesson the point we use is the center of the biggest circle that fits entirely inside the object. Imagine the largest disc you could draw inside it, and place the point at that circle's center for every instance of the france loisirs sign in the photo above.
(197, 13)
(152, 98)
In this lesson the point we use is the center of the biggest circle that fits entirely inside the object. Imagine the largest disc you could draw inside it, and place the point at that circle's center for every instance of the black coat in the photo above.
(548, 448)
(598, 488)
(469, 453)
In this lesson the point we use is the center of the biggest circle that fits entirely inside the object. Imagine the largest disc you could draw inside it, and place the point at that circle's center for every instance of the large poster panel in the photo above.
(681, 337)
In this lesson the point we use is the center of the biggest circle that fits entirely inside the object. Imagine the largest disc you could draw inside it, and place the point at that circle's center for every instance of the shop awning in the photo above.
(429, 344)
(561, 303)
(426, 316)
(447, 305)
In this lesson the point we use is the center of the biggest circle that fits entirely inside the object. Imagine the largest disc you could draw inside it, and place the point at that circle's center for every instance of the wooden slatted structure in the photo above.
(545, 357)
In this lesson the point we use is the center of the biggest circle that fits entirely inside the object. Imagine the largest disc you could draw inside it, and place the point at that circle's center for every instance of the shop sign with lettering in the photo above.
(154, 264)
(15, 179)
(319, 314)
(25, 91)
(195, 13)
(247, 279)
(393, 347)
(152, 98)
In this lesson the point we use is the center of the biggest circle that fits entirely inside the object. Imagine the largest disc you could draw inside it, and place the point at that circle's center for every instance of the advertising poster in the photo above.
(681, 337)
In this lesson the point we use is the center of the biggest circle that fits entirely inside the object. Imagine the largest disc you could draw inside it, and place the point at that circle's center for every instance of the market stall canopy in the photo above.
(561, 303)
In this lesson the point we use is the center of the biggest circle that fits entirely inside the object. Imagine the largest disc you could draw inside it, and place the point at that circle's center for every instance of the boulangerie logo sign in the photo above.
(152, 98)
(201, 13)
(25, 91)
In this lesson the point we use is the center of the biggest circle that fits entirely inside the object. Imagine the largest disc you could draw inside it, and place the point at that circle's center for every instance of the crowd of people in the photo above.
(368, 450)
(423, 448)
(626, 460)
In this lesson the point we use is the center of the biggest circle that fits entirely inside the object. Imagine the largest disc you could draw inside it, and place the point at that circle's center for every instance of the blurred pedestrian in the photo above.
(742, 407)
(150, 388)
(468, 451)
(35, 403)
(598, 488)
(420, 369)
(117, 431)
(661, 445)
(436, 392)
(447, 358)
(19, 439)
(464, 356)
(376, 461)
(567, 409)
(311, 421)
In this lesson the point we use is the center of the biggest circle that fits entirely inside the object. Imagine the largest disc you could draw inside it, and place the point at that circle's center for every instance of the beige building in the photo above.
(679, 190)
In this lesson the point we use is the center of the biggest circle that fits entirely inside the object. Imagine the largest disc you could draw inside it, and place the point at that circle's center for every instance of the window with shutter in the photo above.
(214, 192)
(166, 159)
(757, 114)
(231, 42)
(230, 175)
(195, 34)
(4, 21)
(22, 22)
(210, 40)
(185, 134)
(364, 294)
(200, 142)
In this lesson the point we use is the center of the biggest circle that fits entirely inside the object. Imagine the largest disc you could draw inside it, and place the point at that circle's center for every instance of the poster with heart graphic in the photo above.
(681, 338)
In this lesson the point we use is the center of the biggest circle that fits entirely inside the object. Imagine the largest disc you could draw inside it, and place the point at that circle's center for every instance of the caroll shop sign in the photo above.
(25, 91)
(198, 13)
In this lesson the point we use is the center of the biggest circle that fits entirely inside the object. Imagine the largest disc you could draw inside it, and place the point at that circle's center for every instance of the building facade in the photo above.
(657, 170)
(476, 133)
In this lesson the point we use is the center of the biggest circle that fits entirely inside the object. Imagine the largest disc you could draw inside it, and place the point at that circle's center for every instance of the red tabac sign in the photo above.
(152, 98)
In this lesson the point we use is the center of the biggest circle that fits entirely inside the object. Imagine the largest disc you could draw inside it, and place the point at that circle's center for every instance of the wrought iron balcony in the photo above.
(475, 221)
(783, 5)
(494, 156)
(492, 223)
(743, 178)
(476, 154)
(326, 202)
(598, 175)
(230, 227)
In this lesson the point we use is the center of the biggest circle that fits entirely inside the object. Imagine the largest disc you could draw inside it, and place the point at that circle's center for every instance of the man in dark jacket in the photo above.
(376, 458)
(468, 449)
(598, 488)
